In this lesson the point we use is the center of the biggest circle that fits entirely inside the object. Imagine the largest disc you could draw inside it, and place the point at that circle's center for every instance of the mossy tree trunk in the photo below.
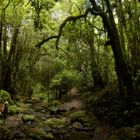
(122, 69)
(8, 68)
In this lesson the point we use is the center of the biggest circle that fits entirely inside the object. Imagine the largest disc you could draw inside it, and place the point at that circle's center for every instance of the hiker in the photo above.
(4, 109)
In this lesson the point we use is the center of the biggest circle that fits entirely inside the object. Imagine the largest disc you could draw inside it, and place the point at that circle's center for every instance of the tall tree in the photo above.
(122, 69)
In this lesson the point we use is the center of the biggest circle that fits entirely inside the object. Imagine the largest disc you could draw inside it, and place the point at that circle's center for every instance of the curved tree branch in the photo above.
(45, 40)
(4, 9)
(70, 18)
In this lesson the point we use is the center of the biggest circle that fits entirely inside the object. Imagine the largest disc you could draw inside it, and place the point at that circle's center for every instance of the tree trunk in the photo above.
(97, 78)
(8, 68)
(122, 70)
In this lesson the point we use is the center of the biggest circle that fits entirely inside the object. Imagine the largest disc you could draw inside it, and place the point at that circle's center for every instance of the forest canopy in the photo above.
(70, 69)
(56, 45)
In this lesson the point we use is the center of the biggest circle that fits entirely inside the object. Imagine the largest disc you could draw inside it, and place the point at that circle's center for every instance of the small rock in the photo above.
(77, 125)
(49, 136)
(53, 110)
(43, 111)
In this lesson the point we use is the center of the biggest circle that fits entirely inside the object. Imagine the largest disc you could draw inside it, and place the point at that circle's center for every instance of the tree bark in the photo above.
(97, 78)
(8, 68)
(122, 70)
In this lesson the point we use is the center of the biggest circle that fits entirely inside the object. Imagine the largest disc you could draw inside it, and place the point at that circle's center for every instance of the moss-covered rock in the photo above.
(5, 96)
(55, 103)
(57, 123)
(127, 133)
(14, 109)
(77, 114)
(38, 134)
(27, 118)
(77, 125)
(19, 108)
(80, 116)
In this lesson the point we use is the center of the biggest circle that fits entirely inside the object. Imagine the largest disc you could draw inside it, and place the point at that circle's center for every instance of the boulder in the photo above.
(5, 96)
(14, 109)
(127, 133)
(38, 134)
(80, 116)
(27, 118)
(57, 122)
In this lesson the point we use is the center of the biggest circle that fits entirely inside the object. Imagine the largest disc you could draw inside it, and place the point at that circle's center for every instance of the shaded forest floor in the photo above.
(70, 119)
(66, 120)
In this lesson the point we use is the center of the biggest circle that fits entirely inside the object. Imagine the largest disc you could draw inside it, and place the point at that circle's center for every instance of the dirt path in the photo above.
(74, 101)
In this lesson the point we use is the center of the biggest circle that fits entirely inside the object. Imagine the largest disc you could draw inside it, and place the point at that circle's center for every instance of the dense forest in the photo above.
(70, 69)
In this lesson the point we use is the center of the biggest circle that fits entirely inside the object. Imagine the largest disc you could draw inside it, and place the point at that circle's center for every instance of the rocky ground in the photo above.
(55, 120)
(69, 119)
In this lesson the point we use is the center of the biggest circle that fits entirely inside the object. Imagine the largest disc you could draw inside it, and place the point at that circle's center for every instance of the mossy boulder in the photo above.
(27, 118)
(57, 122)
(19, 108)
(38, 134)
(127, 133)
(80, 116)
(14, 109)
(5, 96)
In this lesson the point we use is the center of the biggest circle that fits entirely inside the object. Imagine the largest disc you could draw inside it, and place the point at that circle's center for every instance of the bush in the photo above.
(5, 96)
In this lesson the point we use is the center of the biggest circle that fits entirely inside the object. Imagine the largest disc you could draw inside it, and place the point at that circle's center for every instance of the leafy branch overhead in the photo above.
(57, 37)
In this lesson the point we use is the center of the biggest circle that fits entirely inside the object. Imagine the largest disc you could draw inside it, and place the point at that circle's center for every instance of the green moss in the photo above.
(80, 116)
(27, 118)
(127, 133)
(49, 135)
(57, 123)
(5, 96)
(56, 103)
(38, 133)
(77, 114)
(14, 109)
(19, 108)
